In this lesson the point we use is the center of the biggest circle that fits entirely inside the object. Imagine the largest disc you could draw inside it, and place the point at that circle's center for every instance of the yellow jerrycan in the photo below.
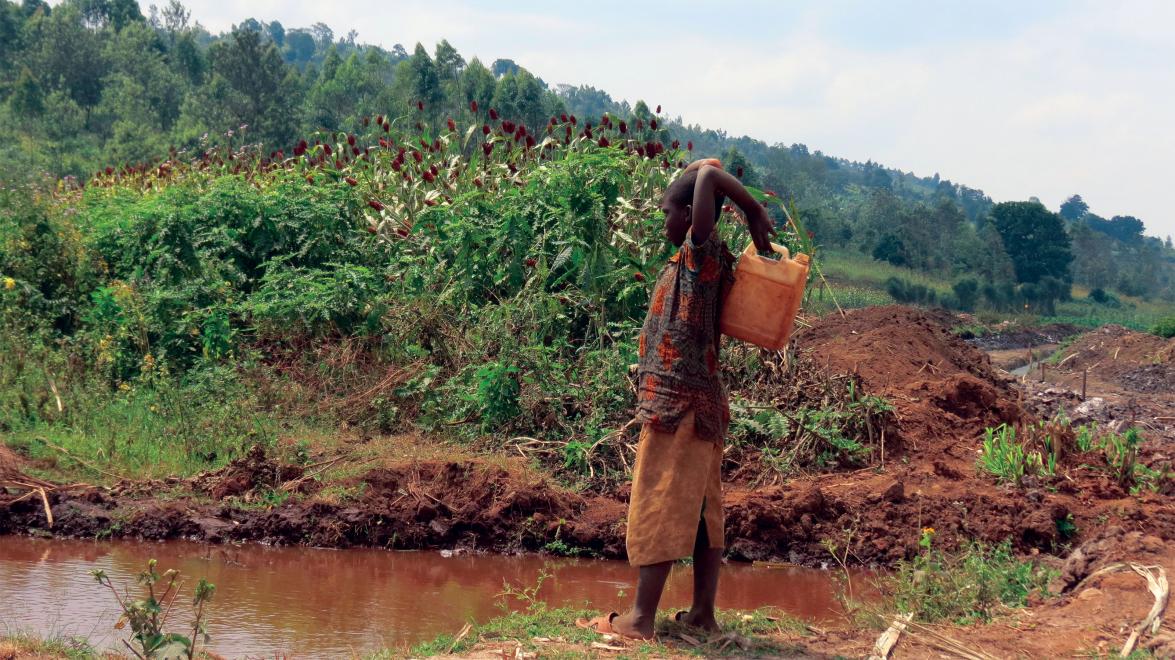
(761, 305)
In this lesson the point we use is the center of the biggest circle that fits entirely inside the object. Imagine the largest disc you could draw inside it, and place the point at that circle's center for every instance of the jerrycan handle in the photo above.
(778, 249)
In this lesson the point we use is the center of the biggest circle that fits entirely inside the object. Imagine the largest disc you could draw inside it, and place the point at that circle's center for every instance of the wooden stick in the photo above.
(889, 638)
(1084, 378)
(45, 503)
(1159, 589)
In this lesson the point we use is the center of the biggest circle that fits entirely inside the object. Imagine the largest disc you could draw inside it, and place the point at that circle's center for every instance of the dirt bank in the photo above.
(1133, 361)
(944, 393)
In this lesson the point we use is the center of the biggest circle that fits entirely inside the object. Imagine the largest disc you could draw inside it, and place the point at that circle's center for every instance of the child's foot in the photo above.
(697, 619)
(625, 625)
(629, 625)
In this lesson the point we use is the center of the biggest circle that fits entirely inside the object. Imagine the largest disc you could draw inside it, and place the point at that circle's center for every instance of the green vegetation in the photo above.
(1006, 458)
(148, 616)
(483, 285)
(1165, 327)
(1043, 444)
(747, 633)
(22, 645)
(967, 586)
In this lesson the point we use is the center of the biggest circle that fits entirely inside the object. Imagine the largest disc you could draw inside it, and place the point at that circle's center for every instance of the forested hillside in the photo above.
(136, 85)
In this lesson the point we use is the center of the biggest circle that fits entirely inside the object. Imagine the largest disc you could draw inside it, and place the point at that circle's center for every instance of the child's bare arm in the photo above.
(712, 180)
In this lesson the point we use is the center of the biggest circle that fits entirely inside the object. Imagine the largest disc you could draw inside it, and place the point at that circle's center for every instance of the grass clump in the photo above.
(26, 645)
(1007, 459)
(968, 586)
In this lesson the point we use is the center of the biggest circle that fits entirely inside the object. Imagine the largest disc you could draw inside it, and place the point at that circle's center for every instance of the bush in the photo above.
(910, 292)
(1165, 328)
(966, 294)
(968, 586)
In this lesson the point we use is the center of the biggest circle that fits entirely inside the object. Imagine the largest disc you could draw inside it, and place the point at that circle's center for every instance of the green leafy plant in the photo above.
(966, 586)
(148, 616)
(1164, 327)
(1007, 459)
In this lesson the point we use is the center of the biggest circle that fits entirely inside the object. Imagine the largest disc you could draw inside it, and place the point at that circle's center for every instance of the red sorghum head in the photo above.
(375, 204)
(473, 106)
(493, 114)
(452, 124)
(351, 181)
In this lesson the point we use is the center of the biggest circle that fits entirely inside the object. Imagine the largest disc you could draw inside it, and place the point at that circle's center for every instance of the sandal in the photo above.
(601, 624)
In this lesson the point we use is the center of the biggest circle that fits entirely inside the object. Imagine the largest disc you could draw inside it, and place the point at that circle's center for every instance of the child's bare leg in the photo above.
(638, 622)
(707, 562)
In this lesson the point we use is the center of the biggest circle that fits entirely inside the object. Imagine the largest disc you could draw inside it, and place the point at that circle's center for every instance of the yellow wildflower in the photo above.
(9, 283)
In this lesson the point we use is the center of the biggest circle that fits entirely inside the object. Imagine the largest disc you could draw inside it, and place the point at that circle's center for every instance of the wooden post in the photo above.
(1084, 376)
(1042, 371)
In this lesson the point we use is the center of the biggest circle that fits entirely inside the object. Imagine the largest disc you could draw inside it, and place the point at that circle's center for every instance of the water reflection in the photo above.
(324, 603)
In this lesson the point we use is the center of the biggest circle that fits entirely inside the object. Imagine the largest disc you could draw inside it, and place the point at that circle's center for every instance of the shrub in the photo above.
(1165, 328)
(966, 294)
(910, 292)
(967, 586)
(1005, 458)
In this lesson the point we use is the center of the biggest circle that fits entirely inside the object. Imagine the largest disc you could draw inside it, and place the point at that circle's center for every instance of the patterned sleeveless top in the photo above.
(678, 369)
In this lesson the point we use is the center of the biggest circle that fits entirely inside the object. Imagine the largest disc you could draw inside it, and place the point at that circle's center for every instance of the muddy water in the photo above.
(331, 603)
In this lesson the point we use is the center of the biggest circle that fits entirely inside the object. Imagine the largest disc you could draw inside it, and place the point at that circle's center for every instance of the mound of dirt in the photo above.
(1136, 361)
(942, 387)
(1014, 337)
(249, 474)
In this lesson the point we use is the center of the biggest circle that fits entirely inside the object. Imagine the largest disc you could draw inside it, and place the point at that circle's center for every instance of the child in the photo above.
(676, 504)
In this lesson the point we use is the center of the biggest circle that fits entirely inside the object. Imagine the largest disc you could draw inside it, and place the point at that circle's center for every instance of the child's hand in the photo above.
(761, 227)
(703, 161)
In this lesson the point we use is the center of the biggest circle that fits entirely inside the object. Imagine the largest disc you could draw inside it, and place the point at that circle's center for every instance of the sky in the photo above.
(1020, 99)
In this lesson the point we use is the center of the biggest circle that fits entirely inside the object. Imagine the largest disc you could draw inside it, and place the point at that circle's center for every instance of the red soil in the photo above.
(944, 393)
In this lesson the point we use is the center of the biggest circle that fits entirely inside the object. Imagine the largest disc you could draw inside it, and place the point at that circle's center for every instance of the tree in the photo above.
(27, 99)
(501, 67)
(449, 61)
(276, 32)
(478, 84)
(1074, 208)
(1035, 240)
(257, 78)
(1094, 264)
(80, 68)
(175, 19)
(424, 85)
(323, 35)
(299, 46)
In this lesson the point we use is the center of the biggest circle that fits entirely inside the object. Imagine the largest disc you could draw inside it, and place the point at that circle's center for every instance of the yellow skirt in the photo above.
(677, 483)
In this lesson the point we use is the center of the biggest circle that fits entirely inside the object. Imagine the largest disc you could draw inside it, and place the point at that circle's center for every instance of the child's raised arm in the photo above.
(712, 180)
